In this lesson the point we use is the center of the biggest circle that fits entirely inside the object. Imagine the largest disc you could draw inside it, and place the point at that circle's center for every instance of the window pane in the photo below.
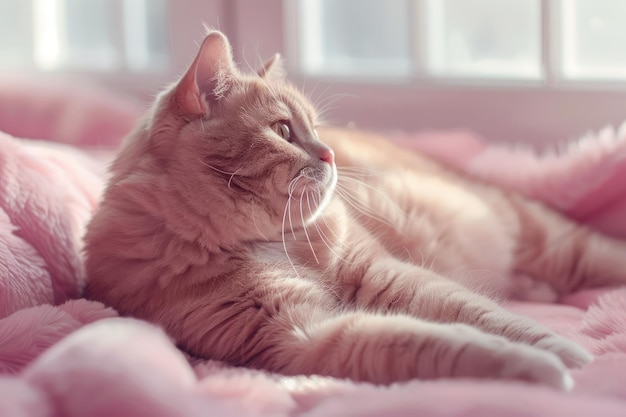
(485, 38)
(145, 24)
(15, 38)
(367, 37)
(89, 33)
(75, 34)
(593, 39)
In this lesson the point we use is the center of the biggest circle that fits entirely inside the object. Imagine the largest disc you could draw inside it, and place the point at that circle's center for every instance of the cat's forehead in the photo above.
(281, 99)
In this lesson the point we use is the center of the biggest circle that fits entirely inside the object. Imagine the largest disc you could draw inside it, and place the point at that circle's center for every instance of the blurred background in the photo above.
(532, 71)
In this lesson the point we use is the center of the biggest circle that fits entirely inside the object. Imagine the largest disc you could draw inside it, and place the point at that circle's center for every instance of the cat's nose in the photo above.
(327, 155)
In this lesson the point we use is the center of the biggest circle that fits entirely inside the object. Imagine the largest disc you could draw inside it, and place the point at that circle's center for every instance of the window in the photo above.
(533, 71)
(483, 38)
(339, 37)
(94, 35)
(527, 71)
(593, 37)
(534, 40)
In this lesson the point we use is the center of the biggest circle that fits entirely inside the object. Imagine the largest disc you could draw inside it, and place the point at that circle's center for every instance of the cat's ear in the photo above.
(273, 68)
(209, 77)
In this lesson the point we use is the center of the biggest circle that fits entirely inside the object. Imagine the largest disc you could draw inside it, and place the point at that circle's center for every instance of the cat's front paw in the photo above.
(572, 354)
(490, 356)
(526, 363)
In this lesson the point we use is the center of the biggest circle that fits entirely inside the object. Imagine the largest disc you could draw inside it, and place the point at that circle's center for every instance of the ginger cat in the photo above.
(257, 239)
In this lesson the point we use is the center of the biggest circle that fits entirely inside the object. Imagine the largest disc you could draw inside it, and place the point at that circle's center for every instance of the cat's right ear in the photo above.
(273, 68)
(209, 77)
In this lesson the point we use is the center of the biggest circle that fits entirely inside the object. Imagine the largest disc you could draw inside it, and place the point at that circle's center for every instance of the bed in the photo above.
(61, 355)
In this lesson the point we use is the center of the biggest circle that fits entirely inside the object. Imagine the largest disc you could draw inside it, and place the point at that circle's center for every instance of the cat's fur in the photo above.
(239, 243)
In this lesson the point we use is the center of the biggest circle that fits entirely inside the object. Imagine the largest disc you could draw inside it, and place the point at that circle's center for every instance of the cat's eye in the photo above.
(282, 130)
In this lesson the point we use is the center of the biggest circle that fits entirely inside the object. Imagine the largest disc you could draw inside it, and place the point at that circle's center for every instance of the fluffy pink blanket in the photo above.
(62, 356)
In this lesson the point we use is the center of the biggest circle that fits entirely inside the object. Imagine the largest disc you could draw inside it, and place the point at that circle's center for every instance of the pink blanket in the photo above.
(61, 356)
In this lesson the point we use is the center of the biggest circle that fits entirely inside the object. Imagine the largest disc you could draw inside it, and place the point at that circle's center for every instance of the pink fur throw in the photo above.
(584, 179)
(47, 194)
(61, 356)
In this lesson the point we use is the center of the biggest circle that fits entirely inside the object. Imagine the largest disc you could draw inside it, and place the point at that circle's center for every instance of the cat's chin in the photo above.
(311, 192)
(325, 188)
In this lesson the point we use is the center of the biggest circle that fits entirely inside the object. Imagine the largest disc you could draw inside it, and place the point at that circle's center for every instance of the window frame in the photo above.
(534, 112)
(537, 113)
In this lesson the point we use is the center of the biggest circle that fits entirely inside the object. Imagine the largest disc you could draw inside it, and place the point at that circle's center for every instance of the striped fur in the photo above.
(381, 267)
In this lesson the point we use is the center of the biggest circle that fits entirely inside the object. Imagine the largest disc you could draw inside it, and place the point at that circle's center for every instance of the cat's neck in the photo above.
(318, 245)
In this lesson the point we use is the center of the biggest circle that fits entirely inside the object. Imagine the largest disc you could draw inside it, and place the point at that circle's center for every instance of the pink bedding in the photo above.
(62, 356)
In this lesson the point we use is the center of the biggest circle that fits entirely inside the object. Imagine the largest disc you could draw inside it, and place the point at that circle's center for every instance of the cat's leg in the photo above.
(563, 254)
(384, 349)
(389, 285)
(290, 332)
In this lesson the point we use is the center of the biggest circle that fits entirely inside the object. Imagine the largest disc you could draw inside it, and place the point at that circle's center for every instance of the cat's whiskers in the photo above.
(306, 233)
(290, 189)
(317, 99)
(330, 228)
(328, 102)
(231, 174)
(256, 225)
(408, 254)
(230, 180)
(384, 195)
(354, 170)
(368, 211)
(245, 59)
(423, 261)
(421, 252)
(327, 242)
(361, 208)
(431, 265)
(323, 112)
(311, 95)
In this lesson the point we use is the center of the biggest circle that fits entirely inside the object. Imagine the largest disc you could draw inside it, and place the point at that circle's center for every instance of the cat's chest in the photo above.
(318, 246)
(309, 254)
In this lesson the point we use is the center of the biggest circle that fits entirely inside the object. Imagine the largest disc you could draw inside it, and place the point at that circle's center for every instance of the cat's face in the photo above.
(244, 145)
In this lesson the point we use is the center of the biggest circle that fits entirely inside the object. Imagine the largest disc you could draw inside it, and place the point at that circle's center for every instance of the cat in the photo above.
(256, 237)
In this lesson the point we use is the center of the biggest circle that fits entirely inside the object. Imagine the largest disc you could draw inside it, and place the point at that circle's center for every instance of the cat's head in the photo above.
(238, 150)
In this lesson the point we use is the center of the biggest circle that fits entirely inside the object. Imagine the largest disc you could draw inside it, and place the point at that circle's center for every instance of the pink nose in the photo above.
(327, 155)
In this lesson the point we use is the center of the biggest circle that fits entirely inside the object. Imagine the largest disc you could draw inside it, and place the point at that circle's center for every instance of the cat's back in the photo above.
(424, 212)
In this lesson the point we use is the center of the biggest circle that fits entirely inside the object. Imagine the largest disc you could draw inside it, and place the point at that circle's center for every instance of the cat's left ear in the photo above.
(273, 68)
(209, 77)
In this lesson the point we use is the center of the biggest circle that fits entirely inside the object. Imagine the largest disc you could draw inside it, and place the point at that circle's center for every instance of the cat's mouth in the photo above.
(322, 179)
